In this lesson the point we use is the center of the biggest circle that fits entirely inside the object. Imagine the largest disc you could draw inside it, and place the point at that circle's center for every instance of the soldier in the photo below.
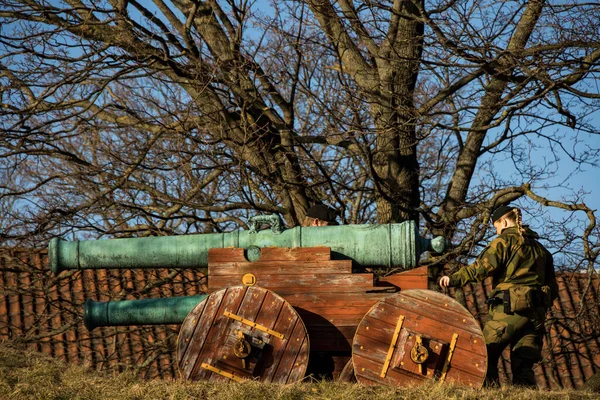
(524, 287)
(320, 215)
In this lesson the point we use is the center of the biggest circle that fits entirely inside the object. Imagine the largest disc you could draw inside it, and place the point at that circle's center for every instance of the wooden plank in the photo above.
(207, 330)
(413, 279)
(261, 267)
(334, 299)
(329, 318)
(286, 323)
(300, 283)
(381, 331)
(192, 334)
(27, 309)
(270, 310)
(446, 316)
(40, 310)
(232, 373)
(81, 335)
(289, 323)
(218, 332)
(191, 330)
(367, 372)
(232, 254)
(289, 290)
(298, 371)
(14, 306)
(227, 254)
(403, 282)
(295, 254)
(251, 304)
(248, 309)
(297, 343)
(55, 321)
(4, 299)
(325, 310)
(97, 342)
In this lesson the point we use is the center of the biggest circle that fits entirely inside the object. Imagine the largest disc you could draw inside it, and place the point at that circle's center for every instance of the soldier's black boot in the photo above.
(492, 378)
(522, 370)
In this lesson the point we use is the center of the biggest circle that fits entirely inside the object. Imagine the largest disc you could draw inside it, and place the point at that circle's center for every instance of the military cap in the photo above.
(324, 213)
(500, 212)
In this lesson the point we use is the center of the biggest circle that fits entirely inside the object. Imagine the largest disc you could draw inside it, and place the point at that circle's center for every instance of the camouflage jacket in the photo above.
(511, 260)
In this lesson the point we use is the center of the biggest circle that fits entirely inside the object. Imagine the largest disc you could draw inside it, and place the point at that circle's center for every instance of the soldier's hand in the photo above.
(445, 281)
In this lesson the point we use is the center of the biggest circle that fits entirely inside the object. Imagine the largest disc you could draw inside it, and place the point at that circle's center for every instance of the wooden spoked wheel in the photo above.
(243, 333)
(416, 335)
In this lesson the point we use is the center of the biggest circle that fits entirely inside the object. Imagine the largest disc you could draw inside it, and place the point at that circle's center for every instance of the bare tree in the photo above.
(130, 118)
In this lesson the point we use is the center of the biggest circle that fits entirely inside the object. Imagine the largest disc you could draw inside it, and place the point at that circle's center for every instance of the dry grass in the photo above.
(28, 375)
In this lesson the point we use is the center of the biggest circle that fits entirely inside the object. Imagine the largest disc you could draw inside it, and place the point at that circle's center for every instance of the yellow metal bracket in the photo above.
(388, 358)
(449, 357)
(222, 373)
(253, 324)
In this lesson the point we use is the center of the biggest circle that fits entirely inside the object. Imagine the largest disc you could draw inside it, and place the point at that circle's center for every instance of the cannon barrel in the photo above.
(387, 245)
(165, 311)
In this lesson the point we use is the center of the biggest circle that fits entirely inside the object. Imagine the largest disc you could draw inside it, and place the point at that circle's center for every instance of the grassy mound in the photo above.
(28, 375)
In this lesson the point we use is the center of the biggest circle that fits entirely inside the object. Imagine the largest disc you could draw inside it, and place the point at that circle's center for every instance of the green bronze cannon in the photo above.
(389, 245)
(139, 312)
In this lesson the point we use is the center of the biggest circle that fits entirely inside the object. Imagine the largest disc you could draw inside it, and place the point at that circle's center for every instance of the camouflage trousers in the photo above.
(523, 332)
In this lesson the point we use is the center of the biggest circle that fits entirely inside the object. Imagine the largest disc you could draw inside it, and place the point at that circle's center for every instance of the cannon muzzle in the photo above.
(167, 311)
(388, 245)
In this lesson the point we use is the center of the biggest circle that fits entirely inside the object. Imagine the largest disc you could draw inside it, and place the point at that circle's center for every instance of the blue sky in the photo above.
(571, 176)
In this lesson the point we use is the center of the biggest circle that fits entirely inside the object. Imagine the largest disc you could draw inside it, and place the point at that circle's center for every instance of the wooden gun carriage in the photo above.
(276, 314)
